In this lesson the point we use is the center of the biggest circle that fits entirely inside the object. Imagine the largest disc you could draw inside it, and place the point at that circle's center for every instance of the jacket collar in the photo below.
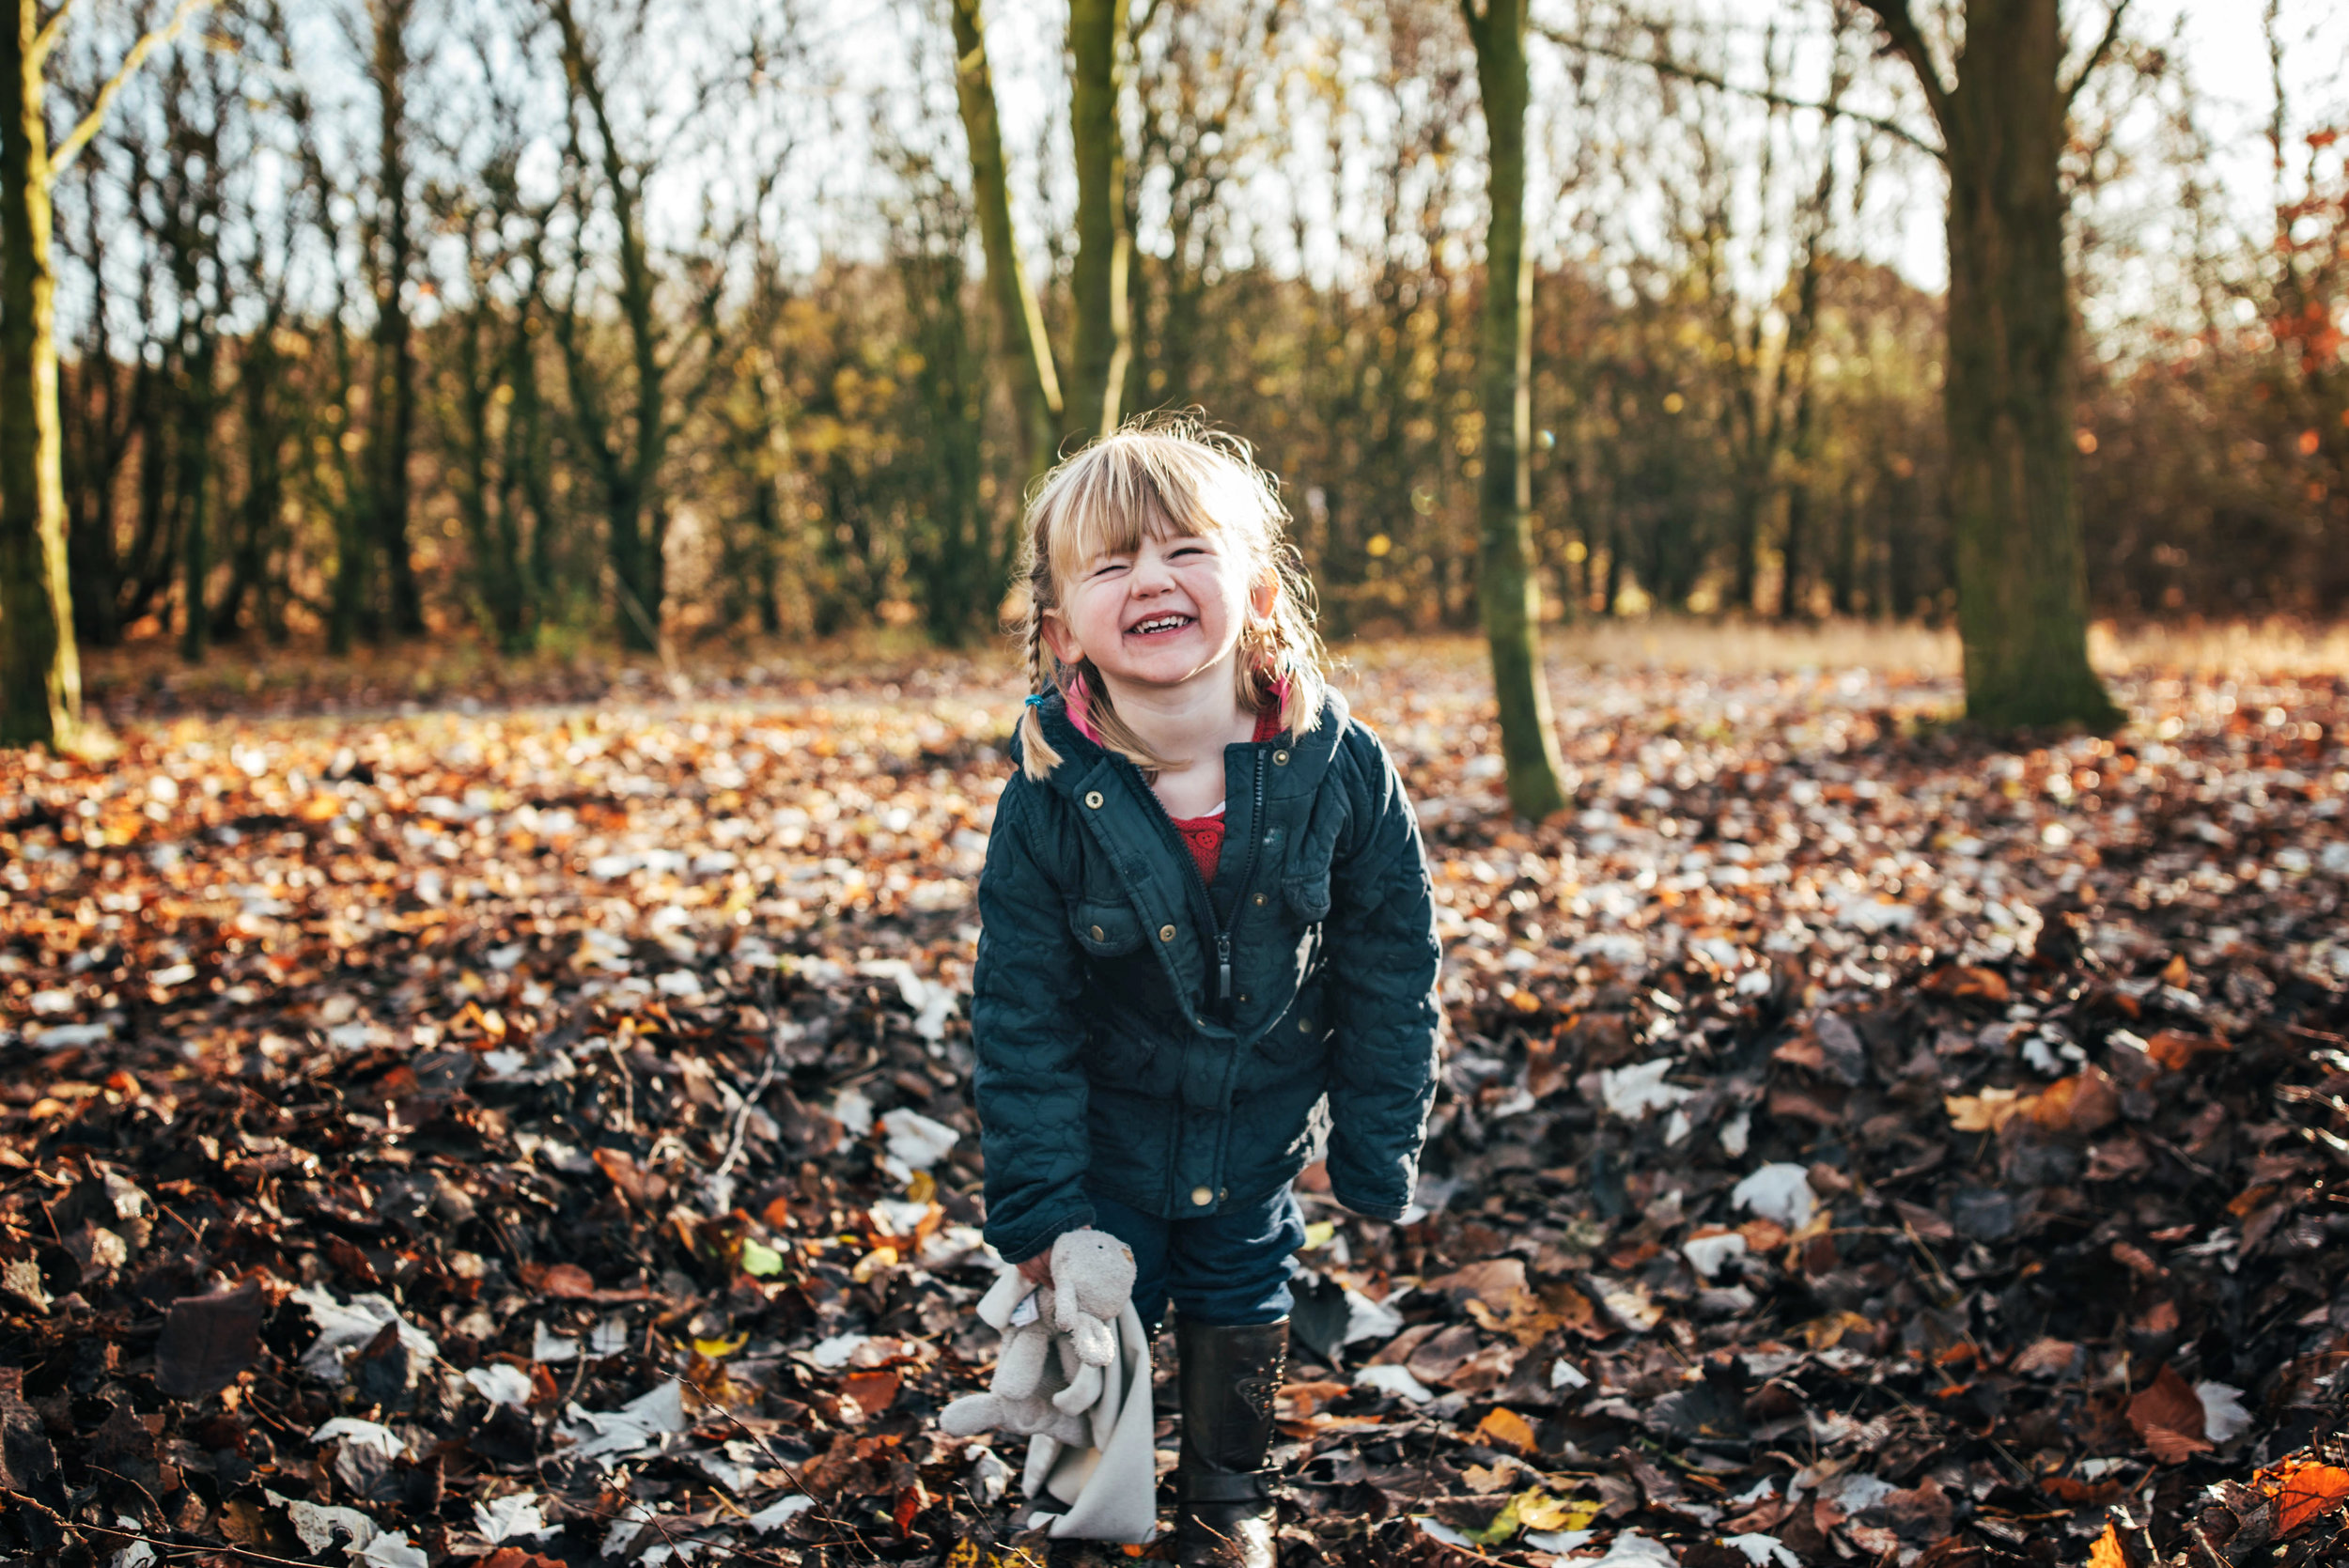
(1084, 761)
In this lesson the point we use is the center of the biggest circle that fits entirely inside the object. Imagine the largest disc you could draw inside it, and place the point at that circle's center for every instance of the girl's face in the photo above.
(1161, 616)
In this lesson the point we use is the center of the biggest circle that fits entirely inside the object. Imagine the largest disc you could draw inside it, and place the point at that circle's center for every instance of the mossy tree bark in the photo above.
(1103, 335)
(41, 666)
(1508, 593)
(40, 674)
(2010, 391)
(1021, 345)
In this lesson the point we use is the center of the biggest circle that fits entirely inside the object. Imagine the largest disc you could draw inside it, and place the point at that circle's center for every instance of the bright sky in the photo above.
(2221, 42)
(858, 70)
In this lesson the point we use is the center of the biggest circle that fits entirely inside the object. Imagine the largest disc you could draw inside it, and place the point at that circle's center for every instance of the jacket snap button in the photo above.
(1279, 759)
(1304, 1026)
(1243, 996)
(1166, 933)
(1222, 1192)
(1260, 898)
(1202, 1197)
(1096, 933)
(1092, 798)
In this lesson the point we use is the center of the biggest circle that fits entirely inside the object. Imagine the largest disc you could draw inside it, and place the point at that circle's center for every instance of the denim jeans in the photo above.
(1230, 1268)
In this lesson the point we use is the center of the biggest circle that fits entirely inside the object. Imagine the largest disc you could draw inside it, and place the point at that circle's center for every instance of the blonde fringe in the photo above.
(1198, 480)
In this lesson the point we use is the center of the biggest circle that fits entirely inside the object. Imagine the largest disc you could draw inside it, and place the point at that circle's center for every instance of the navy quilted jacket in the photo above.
(1178, 1046)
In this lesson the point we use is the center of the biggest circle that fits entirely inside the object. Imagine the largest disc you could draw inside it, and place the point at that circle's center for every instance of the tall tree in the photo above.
(1021, 345)
(2011, 390)
(1103, 340)
(40, 668)
(392, 252)
(1508, 592)
(624, 447)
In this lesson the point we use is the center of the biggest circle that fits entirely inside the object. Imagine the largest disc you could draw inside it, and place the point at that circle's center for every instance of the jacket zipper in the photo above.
(1206, 895)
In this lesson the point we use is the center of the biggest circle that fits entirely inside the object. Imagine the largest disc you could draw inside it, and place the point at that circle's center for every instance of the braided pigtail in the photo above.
(1038, 758)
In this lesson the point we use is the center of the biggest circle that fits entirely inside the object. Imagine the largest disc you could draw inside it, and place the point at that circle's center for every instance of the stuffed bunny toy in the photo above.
(1032, 1371)
(1093, 1276)
(1050, 1373)
(1073, 1378)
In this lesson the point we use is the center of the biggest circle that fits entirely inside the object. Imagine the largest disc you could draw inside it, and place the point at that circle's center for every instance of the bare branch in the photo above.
(47, 37)
(1910, 43)
(2096, 55)
(80, 135)
(1702, 77)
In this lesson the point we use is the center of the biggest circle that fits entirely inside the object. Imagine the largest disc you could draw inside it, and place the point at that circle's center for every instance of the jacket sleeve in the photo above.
(1029, 1038)
(1383, 959)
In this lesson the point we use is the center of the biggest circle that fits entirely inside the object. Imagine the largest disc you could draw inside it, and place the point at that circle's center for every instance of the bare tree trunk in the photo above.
(2011, 393)
(394, 403)
(40, 672)
(628, 469)
(1508, 590)
(1021, 345)
(1103, 337)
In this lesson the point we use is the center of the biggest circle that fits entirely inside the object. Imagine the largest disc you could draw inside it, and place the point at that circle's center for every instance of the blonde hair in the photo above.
(1165, 477)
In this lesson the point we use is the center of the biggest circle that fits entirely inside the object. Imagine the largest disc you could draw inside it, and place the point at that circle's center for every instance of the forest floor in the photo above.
(524, 1120)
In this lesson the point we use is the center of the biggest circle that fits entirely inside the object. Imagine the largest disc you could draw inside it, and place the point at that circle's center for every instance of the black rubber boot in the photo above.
(1224, 1494)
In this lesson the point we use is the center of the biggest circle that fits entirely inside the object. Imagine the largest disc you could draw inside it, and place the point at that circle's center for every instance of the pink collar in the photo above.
(1079, 704)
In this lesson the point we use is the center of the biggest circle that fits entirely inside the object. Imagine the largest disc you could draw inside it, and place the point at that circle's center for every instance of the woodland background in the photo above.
(564, 322)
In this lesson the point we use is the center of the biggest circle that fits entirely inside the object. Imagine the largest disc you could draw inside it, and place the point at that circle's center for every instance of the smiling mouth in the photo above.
(1158, 626)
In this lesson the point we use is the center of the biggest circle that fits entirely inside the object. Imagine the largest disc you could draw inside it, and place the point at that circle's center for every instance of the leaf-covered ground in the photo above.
(542, 1133)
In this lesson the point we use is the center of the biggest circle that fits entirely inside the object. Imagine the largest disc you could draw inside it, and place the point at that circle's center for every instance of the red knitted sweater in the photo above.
(1204, 834)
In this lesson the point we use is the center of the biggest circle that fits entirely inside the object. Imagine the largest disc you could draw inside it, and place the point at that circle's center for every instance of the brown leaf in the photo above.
(2167, 1416)
(1497, 1283)
(1444, 1354)
(1967, 980)
(2048, 1358)
(875, 1391)
(2176, 1051)
(565, 1282)
(2087, 1102)
(621, 1166)
(208, 1340)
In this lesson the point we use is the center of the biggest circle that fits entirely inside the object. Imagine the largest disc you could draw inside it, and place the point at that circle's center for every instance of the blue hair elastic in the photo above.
(1037, 700)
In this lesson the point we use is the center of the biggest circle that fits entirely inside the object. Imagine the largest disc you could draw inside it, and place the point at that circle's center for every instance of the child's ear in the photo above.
(1058, 638)
(1265, 595)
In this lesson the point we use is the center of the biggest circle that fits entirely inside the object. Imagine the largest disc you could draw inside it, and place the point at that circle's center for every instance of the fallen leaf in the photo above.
(1504, 1428)
(2169, 1418)
(2306, 1491)
(208, 1340)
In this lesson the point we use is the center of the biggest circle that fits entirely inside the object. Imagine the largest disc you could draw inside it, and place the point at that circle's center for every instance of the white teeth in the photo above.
(1161, 621)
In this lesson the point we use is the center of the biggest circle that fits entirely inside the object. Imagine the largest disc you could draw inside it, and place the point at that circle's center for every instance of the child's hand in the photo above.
(1038, 1269)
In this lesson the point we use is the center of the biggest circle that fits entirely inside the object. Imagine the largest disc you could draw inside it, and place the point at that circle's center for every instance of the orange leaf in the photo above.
(1967, 980)
(2309, 1492)
(909, 1502)
(2175, 1050)
(1504, 1428)
(2106, 1553)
